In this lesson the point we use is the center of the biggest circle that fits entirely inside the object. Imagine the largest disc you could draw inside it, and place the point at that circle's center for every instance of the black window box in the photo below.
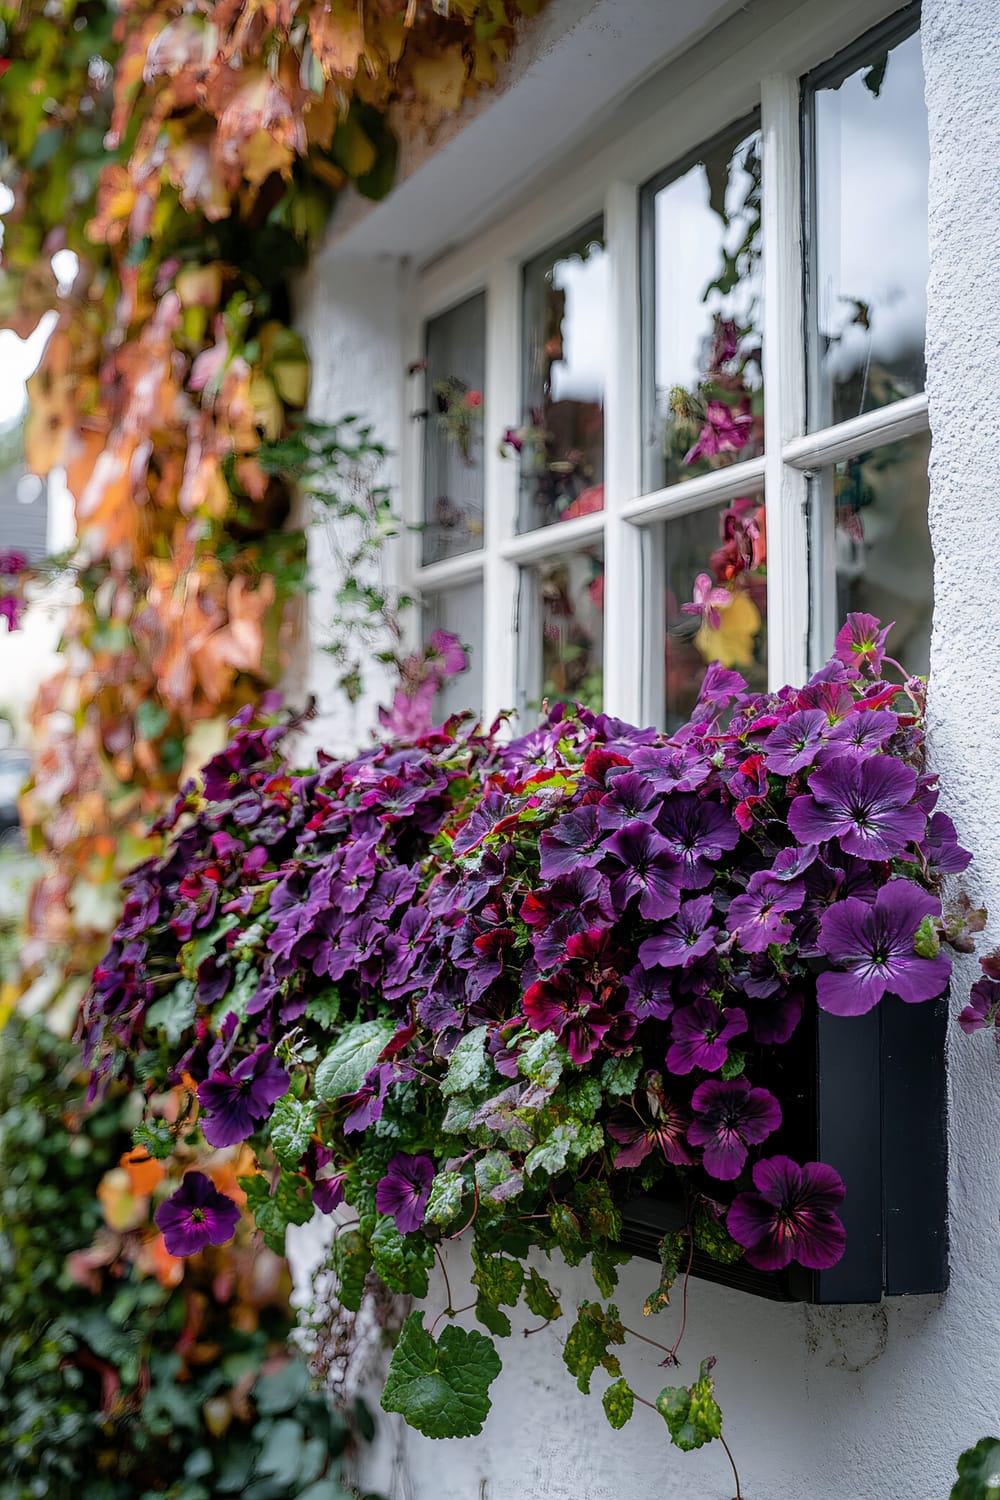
(873, 1107)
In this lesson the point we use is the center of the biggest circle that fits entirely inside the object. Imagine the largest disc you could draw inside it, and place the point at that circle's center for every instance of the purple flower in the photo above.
(684, 938)
(11, 609)
(651, 871)
(983, 1008)
(404, 1190)
(648, 993)
(236, 1101)
(631, 799)
(195, 1216)
(941, 848)
(758, 917)
(701, 1035)
(865, 803)
(865, 730)
(445, 654)
(697, 832)
(571, 841)
(730, 1117)
(638, 1137)
(791, 1216)
(874, 948)
(861, 642)
(796, 743)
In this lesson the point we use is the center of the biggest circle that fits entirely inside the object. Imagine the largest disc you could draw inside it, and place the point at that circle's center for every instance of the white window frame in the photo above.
(756, 62)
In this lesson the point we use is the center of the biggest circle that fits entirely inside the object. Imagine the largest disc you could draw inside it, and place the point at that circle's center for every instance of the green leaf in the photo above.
(927, 944)
(496, 1178)
(672, 1248)
(155, 1137)
(324, 1009)
(492, 1318)
(618, 1402)
(498, 1278)
(587, 1344)
(598, 1210)
(343, 1069)
(445, 1201)
(733, 1065)
(281, 1452)
(584, 1098)
(468, 1066)
(290, 1203)
(174, 1013)
(710, 1234)
(351, 1260)
(194, 953)
(691, 1412)
(540, 1298)
(979, 1472)
(441, 1389)
(401, 1260)
(543, 1060)
(603, 1263)
(292, 1125)
(620, 1075)
(282, 1390)
(566, 1232)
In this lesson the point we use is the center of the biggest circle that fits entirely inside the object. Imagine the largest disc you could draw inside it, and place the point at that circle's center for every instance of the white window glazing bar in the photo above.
(554, 540)
(623, 624)
(450, 572)
(693, 494)
(887, 424)
(501, 409)
(784, 383)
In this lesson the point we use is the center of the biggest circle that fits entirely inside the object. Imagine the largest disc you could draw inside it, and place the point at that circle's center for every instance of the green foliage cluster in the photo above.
(103, 1390)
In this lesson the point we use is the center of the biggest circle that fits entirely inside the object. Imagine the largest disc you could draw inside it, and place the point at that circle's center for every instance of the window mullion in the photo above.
(623, 633)
(501, 408)
(784, 382)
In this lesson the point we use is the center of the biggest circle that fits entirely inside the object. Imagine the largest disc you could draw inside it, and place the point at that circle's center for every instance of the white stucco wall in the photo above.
(829, 1404)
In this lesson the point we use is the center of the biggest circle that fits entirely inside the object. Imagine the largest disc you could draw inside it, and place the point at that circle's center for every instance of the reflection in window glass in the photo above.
(453, 444)
(868, 250)
(561, 441)
(715, 600)
(874, 512)
(562, 642)
(459, 611)
(704, 393)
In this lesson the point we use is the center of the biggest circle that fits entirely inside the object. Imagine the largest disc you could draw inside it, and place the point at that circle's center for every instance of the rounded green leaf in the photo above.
(441, 1389)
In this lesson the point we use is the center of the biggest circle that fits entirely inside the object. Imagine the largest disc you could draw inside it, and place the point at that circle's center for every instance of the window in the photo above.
(690, 374)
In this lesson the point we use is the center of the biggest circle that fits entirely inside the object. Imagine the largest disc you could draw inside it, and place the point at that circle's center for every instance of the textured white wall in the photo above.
(835, 1404)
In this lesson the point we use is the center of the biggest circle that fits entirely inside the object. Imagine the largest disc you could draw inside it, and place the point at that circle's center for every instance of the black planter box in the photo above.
(874, 1107)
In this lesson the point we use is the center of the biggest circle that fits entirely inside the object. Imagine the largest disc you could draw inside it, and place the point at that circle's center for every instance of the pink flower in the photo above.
(725, 431)
(473, 399)
(707, 601)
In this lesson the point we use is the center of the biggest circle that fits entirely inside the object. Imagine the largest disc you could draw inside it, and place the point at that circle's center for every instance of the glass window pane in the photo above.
(561, 440)
(453, 443)
(704, 390)
(561, 640)
(714, 561)
(460, 612)
(872, 515)
(868, 240)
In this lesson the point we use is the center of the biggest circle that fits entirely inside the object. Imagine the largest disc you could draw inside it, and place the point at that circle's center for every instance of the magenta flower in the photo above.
(11, 610)
(195, 1216)
(574, 840)
(983, 1008)
(706, 600)
(404, 1190)
(648, 993)
(790, 1217)
(637, 1137)
(682, 939)
(861, 642)
(701, 1035)
(730, 1117)
(866, 803)
(445, 654)
(874, 948)
(567, 1008)
(865, 730)
(12, 563)
(632, 799)
(758, 917)
(235, 1102)
(725, 431)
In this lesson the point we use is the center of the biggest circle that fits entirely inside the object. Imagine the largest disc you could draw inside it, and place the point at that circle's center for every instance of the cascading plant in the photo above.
(465, 987)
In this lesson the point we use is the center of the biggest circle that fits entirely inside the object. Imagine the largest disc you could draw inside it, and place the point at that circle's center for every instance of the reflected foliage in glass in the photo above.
(868, 239)
(459, 611)
(704, 385)
(561, 441)
(454, 373)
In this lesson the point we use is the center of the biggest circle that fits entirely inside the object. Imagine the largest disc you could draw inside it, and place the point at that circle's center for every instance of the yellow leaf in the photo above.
(733, 643)
(337, 37)
(441, 80)
(263, 155)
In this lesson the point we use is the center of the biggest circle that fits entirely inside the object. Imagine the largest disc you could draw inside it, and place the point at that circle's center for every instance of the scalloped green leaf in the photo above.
(587, 1344)
(441, 1389)
(343, 1069)
(292, 1123)
(618, 1402)
(691, 1412)
(445, 1201)
(468, 1065)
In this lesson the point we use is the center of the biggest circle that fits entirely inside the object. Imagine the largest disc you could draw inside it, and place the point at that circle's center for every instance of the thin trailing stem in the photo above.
(671, 1358)
(444, 1273)
(449, 1312)
(475, 1209)
(662, 1347)
(732, 1464)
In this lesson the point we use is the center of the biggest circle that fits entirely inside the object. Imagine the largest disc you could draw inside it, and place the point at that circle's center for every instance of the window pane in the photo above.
(713, 558)
(872, 512)
(460, 612)
(704, 389)
(565, 328)
(453, 444)
(561, 642)
(868, 242)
